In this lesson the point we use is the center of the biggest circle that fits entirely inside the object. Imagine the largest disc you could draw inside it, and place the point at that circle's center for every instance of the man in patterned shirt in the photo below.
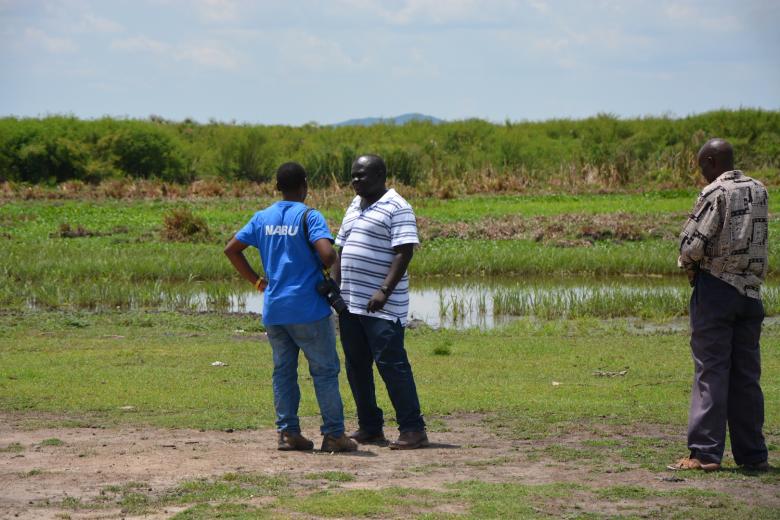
(723, 250)
(377, 239)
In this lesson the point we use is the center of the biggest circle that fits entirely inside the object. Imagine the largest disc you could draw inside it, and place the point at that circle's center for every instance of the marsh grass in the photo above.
(602, 301)
(181, 225)
(117, 260)
(122, 259)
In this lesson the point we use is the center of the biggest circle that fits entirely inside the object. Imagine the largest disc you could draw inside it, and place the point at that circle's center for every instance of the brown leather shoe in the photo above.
(364, 437)
(293, 441)
(410, 441)
(686, 463)
(338, 444)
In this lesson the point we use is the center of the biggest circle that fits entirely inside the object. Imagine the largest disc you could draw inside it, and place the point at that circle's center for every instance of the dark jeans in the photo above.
(725, 330)
(367, 340)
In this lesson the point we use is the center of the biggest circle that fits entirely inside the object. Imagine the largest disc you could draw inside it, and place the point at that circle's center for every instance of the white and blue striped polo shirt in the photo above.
(368, 237)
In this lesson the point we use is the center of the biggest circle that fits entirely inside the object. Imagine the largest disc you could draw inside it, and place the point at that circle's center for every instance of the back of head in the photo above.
(716, 157)
(290, 177)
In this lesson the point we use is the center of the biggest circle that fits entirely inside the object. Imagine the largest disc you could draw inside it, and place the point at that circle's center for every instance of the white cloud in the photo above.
(141, 44)
(208, 54)
(550, 44)
(540, 6)
(407, 12)
(679, 11)
(218, 10)
(693, 16)
(415, 65)
(93, 23)
(315, 53)
(53, 44)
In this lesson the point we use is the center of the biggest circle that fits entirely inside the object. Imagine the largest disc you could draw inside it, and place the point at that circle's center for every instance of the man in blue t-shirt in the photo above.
(296, 317)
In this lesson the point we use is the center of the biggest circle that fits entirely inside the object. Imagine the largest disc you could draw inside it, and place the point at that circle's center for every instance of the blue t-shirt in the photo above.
(291, 267)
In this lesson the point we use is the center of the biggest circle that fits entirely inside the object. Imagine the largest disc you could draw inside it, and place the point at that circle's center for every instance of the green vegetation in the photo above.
(150, 362)
(97, 325)
(134, 498)
(463, 500)
(52, 442)
(331, 476)
(585, 392)
(167, 255)
(602, 150)
(13, 447)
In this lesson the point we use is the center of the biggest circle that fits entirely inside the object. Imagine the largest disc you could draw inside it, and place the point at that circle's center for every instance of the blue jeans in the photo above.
(317, 340)
(367, 340)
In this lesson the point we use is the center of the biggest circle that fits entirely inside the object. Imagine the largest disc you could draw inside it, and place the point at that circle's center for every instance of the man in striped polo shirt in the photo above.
(377, 239)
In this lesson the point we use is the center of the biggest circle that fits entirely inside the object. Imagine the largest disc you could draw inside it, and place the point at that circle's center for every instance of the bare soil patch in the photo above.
(38, 474)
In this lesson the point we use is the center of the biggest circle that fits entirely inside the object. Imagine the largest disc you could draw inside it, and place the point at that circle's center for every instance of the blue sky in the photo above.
(293, 62)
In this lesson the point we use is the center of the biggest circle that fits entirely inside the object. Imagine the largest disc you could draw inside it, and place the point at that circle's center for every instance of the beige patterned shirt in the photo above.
(726, 234)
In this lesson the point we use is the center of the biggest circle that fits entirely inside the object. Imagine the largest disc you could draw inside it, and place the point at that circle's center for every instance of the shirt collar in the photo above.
(729, 175)
(390, 193)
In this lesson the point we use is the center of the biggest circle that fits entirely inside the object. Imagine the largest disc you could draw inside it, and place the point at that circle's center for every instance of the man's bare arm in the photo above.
(234, 250)
(335, 269)
(403, 255)
(324, 249)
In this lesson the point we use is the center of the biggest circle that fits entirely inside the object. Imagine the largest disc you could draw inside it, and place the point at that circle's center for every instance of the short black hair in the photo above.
(290, 176)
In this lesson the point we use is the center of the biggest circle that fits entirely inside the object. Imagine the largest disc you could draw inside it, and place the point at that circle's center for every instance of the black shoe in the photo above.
(410, 441)
(364, 437)
(293, 441)
(756, 466)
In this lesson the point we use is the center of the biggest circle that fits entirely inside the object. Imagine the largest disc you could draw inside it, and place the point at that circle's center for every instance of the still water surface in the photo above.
(490, 302)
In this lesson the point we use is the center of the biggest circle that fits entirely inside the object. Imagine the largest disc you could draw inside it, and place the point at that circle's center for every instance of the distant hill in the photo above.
(397, 120)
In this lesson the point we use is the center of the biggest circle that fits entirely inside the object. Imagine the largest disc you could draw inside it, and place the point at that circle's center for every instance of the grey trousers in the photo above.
(725, 331)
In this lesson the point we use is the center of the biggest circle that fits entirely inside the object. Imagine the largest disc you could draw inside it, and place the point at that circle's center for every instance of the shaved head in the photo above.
(369, 173)
(372, 163)
(715, 158)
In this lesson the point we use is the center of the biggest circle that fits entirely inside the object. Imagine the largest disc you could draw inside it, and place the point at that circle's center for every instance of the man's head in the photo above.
(369, 174)
(715, 157)
(291, 181)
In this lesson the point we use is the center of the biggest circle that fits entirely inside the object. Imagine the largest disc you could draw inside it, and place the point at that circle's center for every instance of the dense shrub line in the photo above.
(602, 150)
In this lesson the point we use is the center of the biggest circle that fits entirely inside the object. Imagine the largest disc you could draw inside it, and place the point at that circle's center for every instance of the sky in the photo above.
(296, 62)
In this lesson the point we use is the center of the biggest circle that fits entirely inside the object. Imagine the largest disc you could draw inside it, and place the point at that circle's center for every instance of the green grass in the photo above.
(52, 442)
(137, 498)
(152, 361)
(480, 206)
(13, 447)
(332, 476)
(127, 265)
(230, 511)
(534, 379)
(475, 500)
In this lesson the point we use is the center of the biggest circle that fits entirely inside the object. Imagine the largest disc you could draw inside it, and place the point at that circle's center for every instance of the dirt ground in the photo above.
(35, 478)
